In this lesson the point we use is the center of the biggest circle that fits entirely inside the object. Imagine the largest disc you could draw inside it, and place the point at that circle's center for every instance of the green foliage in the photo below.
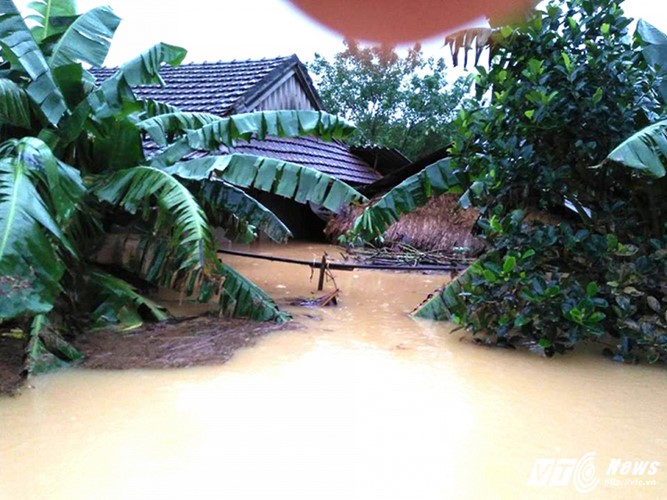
(240, 214)
(21, 50)
(46, 349)
(549, 287)
(51, 17)
(282, 178)
(34, 210)
(567, 87)
(412, 193)
(400, 102)
(86, 39)
(552, 133)
(655, 52)
(73, 172)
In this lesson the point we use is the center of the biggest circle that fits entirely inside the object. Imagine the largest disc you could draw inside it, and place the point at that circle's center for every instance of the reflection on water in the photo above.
(361, 402)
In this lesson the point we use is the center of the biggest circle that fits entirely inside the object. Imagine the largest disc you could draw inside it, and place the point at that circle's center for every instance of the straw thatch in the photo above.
(439, 225)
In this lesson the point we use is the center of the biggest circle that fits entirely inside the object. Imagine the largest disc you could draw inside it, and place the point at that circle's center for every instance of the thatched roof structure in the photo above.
(439, 225)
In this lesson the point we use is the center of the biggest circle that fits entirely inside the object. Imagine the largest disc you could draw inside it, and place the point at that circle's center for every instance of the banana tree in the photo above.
(73, 171)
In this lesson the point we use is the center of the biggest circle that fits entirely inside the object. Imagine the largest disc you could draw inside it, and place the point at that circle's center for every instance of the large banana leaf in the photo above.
(21, 50)
(221, 201)
(117, 144)
(289, 180)
(414, 192)
(14, 106)
(645, 151)
(189, 256)
(243, 299)
(46, 349)
(115, 93)
(30, 265)
(151, 108)
(245, 126)
(87, 39)
(162, 128)
(178, 213)
(438, 306)
(51, 17)
(117, 302)
(655, 52)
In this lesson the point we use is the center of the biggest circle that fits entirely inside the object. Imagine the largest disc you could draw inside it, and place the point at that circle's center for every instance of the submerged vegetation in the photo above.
(73, 173)
(571, 196)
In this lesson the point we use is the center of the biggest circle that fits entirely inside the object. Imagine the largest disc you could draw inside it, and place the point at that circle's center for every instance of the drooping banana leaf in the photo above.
(31, 267)
(115, 93)
(289, 180)
(245, 126)
(655, 52)
(87, 39)
(241, 298)
(645, 151)
(163, 128)
(46, 349)
(51, 17)
(119, 302)
(440, 304)
(14, 106)
(151, 108)
(66, 192)
(414, 192)
(64, 186)
(20, 49)
(147, 189)
(221, 200)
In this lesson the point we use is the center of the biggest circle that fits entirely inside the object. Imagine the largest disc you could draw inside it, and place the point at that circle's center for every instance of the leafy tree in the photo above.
(590, 262)
(400, 102)
(73, 174)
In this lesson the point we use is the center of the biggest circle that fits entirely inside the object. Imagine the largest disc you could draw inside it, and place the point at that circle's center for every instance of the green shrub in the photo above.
(548, 287)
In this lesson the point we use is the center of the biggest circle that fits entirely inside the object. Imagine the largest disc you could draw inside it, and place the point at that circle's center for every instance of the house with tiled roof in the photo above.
(227, 88)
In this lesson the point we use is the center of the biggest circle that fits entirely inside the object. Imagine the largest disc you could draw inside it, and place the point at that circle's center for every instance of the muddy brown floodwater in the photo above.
(362, 402)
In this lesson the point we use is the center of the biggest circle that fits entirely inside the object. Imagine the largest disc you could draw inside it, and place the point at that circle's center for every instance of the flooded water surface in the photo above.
(358, 402)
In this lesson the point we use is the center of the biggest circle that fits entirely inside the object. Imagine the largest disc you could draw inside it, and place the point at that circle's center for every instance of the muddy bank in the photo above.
(173, 344)
(204, 340)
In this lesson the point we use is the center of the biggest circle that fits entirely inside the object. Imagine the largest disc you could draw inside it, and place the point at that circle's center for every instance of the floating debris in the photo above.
(328, 300)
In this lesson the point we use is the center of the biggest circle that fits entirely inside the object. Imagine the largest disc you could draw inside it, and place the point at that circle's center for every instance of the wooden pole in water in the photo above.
(323, 267)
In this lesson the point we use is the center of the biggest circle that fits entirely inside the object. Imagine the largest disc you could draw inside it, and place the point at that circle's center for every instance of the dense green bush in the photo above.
(548, 287)
(575, 235)
(566, 88)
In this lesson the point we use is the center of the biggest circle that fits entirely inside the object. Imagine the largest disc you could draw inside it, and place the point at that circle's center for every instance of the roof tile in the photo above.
(331, 158)
(216, 87)
(211, 87)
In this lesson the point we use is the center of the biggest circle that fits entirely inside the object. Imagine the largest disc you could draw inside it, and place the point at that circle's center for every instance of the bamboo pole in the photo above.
(339, 266)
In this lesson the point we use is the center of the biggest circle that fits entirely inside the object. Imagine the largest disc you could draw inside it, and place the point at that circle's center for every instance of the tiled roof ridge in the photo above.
(206, 62)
